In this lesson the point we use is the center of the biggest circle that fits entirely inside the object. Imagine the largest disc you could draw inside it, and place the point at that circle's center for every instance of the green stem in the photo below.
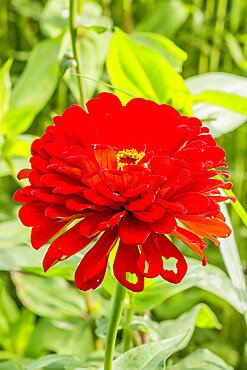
(73, 34)
(117, 308)
(128, 332)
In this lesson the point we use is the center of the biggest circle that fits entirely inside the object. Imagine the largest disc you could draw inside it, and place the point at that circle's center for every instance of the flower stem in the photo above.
(117, 307)
(128, 331)
(73, 33)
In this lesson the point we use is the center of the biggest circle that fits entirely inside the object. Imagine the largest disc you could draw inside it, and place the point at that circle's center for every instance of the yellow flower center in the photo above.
(128, 156)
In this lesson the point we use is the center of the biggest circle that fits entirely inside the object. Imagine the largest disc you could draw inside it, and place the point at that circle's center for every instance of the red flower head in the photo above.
(123, 174)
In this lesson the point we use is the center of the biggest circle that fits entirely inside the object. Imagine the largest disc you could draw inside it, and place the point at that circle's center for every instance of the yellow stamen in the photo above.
(128, 157)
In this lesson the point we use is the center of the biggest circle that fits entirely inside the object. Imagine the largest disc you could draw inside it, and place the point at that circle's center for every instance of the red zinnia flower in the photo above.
(123, 173)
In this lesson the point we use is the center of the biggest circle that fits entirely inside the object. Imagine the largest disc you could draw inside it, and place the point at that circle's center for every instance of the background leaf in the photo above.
(219, 119)
(130, 65)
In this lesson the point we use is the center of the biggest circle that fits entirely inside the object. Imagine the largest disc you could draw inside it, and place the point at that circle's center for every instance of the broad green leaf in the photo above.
(55, 362)
(149, 356)
(219, 119)
(225, 100)
(199, 316)
(209, 278)
(165, 47)
(5, 88)
(131, 68)
(65, 337)
(34, 87)
(49, 297)
(230, 254)
(199, 360)
(17, 121)
(18, 146)
(166, 19)
(93, 49)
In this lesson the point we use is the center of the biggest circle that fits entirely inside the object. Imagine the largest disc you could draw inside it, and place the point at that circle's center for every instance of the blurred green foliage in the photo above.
(170, 51)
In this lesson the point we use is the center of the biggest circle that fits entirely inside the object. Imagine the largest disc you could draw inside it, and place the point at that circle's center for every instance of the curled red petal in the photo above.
(150, 263)
(126, 261)
(169, 250)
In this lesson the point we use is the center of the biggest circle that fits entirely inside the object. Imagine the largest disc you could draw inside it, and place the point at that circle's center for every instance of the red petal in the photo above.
(105, 156)
(132, 230)
(141, 204)
(169, 250)
(192, 240)
(91, 270)
(106, 192)
(151, 214)
(150, 262)
(21, 197)
(136, 191)
(89, 226)
(215, 227)
(194, 202)
(166, 225)
(126, 262)
(40, 235)
(23, 174)
(66, 245)
(33, 214)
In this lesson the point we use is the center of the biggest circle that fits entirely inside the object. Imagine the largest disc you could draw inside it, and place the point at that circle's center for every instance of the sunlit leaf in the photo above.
(200, 360)
(5, 87)
(149, 356)
(220, 119)
(165, 47)
(131, 67)
(34, 87)
(49, 297)
(167, 18)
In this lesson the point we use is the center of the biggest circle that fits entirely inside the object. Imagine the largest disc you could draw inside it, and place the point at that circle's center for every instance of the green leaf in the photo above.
(49, 297)
(131, 68)
(209, 278)
(226, 100)
(165, 47)
(34, 87)
(93, 49)
(18, 146)
(55, 362)
(65, 337)
(230, 254)
(166, 19)
(149, 356)
(219, 119)
(199, 316)
(200, 360)
(5, 87)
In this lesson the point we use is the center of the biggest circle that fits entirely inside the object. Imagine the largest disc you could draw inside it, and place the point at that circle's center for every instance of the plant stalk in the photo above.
(127, 331)
(117, 308)
(73, 33)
